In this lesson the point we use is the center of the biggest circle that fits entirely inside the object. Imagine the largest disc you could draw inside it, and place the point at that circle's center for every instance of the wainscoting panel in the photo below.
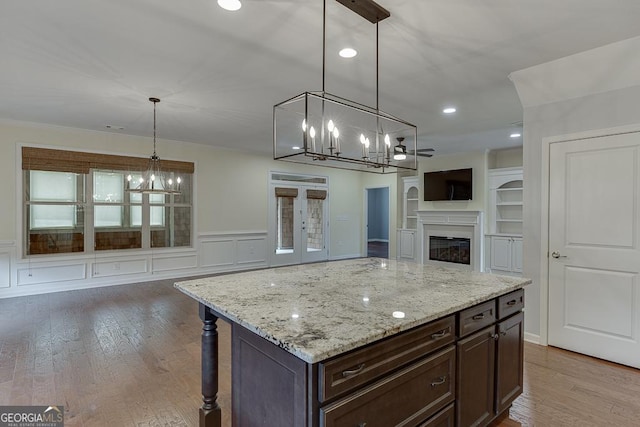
(212, 253)
(232, 251)
(51, 274)
(5, 268)
(175, 262)
(251, 251)
(120, 267)
(217, 252)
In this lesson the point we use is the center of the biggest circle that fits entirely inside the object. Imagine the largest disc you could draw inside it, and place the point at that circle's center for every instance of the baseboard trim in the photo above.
(532, 338)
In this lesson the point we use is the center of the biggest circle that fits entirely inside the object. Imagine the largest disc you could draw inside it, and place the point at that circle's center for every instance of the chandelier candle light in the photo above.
(154, 180)
(337, 132)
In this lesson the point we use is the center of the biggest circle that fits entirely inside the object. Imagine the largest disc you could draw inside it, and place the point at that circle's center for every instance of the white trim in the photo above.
(532, 338)
(544, 211)
(346, 256)
(82, 271)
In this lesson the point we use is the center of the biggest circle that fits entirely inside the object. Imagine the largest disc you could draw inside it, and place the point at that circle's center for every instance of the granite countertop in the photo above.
(316, 311)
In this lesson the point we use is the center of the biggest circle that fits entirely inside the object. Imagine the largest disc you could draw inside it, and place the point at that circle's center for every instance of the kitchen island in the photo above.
(363, 342)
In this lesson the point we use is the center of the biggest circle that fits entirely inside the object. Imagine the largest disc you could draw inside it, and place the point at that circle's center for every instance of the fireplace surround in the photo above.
(453, 226)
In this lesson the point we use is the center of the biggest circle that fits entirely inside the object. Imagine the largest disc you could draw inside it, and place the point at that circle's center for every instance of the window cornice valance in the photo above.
(286, 192)
(316, 194)
(46, 159)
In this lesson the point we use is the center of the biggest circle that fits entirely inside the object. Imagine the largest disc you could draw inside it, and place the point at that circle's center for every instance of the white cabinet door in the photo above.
(408, 244)
(594, 246)
(501, 253)
(516, 255)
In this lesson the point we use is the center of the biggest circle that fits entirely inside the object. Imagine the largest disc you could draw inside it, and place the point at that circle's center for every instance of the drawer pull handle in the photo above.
(439, 334)
(439, 381)
(351, 372)
(478, 316)
(512, 302)
(495, 336)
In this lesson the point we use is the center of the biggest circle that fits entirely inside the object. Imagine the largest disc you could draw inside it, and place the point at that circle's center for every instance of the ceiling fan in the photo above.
(400, 150)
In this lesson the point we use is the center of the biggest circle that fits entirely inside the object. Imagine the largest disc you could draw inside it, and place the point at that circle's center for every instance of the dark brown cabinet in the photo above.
(464, 369)
(490, 361)
(509, 361)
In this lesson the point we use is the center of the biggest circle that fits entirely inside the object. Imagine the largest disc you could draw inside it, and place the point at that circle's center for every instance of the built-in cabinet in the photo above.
(504, 247)
(410, 196)
(505, 201)
(506, 254)
(407, 238)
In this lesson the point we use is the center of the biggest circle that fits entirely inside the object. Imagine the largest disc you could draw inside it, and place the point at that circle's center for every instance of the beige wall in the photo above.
(475, 160)
(231, 188)
(505, 158)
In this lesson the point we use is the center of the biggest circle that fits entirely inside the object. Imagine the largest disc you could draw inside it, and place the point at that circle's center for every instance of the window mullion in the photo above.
(89, 232)
(146, 221)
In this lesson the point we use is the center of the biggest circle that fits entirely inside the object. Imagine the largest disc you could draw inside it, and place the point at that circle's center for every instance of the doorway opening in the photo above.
(377, 215)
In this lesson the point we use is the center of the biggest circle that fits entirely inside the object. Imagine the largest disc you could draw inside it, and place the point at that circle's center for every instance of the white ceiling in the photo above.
(91, 63)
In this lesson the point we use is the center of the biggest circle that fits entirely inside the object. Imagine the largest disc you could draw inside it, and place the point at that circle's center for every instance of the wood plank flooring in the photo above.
(130, 356)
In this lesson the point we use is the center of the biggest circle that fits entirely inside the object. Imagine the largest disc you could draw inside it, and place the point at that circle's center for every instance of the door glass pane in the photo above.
(284, 218)
(315, 232)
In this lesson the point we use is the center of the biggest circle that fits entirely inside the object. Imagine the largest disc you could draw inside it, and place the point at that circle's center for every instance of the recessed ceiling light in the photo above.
(348, 52)
(515, 135)
(295, 147)
(231, 5)
(449, 110)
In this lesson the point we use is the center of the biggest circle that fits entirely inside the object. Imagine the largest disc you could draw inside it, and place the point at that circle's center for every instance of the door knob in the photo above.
(557, 255)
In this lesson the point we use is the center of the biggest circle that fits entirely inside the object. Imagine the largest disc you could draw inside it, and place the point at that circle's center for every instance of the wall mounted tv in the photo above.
(448, 185)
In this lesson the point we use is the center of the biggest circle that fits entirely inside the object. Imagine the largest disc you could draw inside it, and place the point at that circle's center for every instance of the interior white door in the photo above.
(594, 255)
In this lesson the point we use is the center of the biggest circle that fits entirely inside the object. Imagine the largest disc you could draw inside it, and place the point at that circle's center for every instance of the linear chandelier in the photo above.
(154, 180)
(327, 130)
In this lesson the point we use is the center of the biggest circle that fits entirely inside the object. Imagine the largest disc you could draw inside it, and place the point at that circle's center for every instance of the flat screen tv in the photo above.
(448, 185)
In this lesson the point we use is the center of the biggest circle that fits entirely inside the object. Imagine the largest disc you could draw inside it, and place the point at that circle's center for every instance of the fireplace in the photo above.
(453, 238)
(450, 249)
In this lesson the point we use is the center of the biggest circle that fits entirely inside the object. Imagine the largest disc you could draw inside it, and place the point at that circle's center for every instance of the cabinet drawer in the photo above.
(444, 418)
(364, 365)
(405, 398)
(477, 317)
(510, 303)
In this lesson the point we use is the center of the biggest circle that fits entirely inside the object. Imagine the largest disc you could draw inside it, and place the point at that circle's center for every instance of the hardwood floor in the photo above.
(130, 356)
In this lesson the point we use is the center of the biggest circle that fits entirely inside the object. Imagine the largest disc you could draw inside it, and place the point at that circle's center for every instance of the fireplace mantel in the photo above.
(468, 224)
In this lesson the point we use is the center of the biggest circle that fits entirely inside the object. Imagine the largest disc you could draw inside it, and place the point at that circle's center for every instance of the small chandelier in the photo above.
(324, 129)
(154, 180)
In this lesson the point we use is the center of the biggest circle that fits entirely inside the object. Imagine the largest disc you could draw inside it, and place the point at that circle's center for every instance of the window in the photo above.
(73, 203)
(54, 212)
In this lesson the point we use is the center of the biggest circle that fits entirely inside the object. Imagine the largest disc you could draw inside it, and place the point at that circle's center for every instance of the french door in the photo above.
(594, 247)
(298, 223)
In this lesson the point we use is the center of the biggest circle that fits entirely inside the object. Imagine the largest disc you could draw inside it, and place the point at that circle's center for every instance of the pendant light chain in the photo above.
(155, 102)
